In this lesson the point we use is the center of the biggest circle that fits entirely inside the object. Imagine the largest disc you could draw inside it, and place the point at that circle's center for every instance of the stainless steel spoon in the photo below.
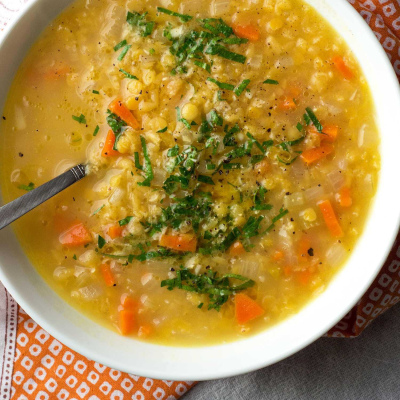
(18, 207)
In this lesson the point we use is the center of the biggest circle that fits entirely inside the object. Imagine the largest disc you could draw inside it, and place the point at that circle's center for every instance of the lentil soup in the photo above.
(232, 156)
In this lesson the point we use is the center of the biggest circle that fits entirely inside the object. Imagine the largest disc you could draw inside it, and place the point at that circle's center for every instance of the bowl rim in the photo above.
(254, 363)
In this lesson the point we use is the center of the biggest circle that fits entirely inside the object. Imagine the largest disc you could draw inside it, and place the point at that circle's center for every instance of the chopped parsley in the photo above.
(219, 50)
(163, 130)
(123, 52)
(314, 119)
(120, 45)
(127, 74)
(95, 92)
(125, 221)
(181, 119)
(281, 214)
(218, 288)
(140, 22)
(221, 85)
(205, 179)
(28, 187)
(183, 17)
(147, 169)
(259, 200)
(241, 87)
(99, 209)
(271, 82)
(81, 119)
(101, 242)
(203, 65)
(96, 130)
(117, 125)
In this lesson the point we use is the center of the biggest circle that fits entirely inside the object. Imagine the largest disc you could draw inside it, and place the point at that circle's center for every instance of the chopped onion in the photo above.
(63, 273)
(294, 200)
(88, 293)
(284, 62)
(315, 193)
(188, 95)
(146, 278)
(220, 7)
(336, 179)
(117, 197)
(255, 61)
(366, 136)
(20, 122)
(336, 255)
(249, 269)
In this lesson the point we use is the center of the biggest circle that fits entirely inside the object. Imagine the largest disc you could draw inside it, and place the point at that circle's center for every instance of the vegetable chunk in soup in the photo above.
(232, 156)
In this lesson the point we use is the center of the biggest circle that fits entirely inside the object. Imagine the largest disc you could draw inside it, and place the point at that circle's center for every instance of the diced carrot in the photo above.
(304, 277)
(182, 242)
(278, 255)
(236, 249)
(246, 309)
(303, 246)
(312, 155)
(330, 218)
(126, 321)
(329, 132)
(107, 275)
(145, 331)
(127, 302)
(262, 167)
(56, 72)
(108, 150)
(344, 197)
(342, 67)
(287, 271)
(77, 235)
(115, 231)
(247, 32)
(287, 103)
(120, 109)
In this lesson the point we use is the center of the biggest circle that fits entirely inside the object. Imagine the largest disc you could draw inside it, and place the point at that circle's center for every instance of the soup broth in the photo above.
(231, 152)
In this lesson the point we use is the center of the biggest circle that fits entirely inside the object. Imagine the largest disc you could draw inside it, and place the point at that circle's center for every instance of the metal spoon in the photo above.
(18, 207)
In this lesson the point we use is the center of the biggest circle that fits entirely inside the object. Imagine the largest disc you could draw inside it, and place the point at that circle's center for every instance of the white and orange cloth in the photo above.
(34, 365)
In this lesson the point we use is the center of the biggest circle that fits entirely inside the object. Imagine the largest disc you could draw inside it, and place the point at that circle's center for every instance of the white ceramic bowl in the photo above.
(272, 345)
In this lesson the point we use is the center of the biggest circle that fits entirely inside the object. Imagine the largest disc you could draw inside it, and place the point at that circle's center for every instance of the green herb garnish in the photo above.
(217, 49)
(314, 119)
(180, 119)
(120, 45)
(221, 85)
(101, 242)
(127, 74)
(203, 65)
(125, 221)
(96, 130)
(99, 209)
(81, 119)
(205, 179)
(139, 21)
(95, 92)
(147, 169)
(241, 87)
(271, 82)
(218, 288)
(281, 214)
(183, 17)
(28, 187)
(163, 130)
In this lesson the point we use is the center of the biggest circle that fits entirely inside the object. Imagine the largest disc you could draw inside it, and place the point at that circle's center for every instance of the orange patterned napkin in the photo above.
(46, 369)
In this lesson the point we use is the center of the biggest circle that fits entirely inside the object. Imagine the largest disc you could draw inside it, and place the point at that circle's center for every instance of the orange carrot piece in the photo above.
(329, 132)
(312, 155)
(107, 275)
(287, 103)
(120, 109)
(246, 309)
(344, 197)
(278, 255)
(246, 32)
(77, 235)
(56, 72)
(145, 331)
(262, 167)
(182, 242)
(330, 218)
(342, 67)
(303, 246)
(287, 271)
(127, 302)
(115, 231)
(237, 249)
(126, 321)
(304, 277)
(108, 150)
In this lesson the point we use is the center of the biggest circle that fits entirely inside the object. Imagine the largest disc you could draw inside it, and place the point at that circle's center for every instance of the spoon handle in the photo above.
(20, 206)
